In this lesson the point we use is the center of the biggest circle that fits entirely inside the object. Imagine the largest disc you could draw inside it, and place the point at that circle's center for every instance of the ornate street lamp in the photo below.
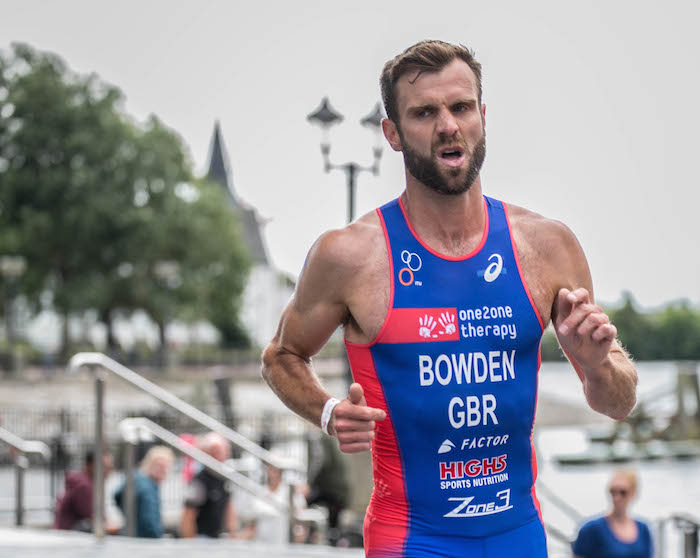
(326, 117)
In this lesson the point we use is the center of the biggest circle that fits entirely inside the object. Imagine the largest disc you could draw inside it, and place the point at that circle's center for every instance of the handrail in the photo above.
(133, 429)
(108, 364)
(21, 464)
(99, 359)
(130, 430)
(24, 446)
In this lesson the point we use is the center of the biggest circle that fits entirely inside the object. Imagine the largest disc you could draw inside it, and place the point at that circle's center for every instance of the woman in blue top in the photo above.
(616, 535)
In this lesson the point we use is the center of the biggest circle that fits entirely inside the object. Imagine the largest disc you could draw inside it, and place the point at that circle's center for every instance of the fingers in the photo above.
(353, 422)
(356, 394)
(607, 332)
(355, 436)
(353, 425)
(584, 319)
(358, 409)
(573, 307)
(355, 447)
(567, 299)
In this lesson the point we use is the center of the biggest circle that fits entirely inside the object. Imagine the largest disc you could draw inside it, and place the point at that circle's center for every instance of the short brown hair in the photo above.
(425, 56)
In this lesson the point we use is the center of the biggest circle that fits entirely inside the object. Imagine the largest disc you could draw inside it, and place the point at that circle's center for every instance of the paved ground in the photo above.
(29, 543)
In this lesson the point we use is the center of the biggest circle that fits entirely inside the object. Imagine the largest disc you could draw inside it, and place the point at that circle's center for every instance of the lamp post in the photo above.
(326, 117)
(11, 269)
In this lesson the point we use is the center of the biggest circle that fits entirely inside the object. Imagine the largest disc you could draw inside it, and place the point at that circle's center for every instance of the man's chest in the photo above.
(375, 289)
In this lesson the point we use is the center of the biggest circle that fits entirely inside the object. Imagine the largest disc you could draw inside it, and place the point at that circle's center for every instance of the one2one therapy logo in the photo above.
(413, 263)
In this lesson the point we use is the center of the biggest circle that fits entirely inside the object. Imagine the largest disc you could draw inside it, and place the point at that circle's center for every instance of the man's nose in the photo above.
(446, 124)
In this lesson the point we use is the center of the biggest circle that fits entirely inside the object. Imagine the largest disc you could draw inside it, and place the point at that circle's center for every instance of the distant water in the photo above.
(666, 486)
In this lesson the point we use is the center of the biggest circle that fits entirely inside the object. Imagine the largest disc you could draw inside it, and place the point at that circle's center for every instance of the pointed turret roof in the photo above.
(220, 173)
(219, 168)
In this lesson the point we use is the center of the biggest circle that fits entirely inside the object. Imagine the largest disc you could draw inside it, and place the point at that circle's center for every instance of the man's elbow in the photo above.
(268, 358)
(617, 407)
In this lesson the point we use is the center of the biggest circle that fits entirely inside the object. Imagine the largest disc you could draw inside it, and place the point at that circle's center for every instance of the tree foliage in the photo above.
(107, 213)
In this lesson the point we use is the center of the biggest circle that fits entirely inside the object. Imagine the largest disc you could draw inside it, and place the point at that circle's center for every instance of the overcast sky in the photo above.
(592, 108)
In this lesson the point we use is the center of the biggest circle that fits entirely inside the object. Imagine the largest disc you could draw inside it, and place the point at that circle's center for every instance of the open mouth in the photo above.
(452, 156)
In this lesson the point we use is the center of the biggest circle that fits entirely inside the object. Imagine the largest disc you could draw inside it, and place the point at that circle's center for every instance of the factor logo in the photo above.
(446, 446)
(413, 263)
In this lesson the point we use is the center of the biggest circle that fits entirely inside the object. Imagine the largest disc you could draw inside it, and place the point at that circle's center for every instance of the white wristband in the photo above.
(327, 413)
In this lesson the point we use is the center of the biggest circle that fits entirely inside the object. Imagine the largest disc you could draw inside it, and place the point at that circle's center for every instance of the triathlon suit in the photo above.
(455, 368)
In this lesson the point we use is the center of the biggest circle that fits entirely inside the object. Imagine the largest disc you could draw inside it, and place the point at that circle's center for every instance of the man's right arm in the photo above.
(317, 308)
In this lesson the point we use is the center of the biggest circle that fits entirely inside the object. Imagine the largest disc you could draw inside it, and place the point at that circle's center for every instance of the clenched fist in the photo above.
(353, 421)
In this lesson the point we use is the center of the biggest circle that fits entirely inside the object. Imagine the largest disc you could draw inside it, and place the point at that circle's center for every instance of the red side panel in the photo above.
(389, 496)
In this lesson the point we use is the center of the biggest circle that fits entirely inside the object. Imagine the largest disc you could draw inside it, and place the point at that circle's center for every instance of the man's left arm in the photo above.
(588, 338)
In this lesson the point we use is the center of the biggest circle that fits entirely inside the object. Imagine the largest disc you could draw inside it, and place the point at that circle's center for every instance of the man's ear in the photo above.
(391, 133)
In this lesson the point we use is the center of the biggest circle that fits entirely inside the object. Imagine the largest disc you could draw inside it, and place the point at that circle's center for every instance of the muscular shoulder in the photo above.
(550, 255)
(546, 237)
(342, 253)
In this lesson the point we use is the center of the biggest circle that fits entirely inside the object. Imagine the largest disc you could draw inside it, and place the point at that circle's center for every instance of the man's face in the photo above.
(441, 127)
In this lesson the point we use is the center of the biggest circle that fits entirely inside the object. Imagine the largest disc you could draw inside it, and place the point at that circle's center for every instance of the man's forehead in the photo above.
(418, 86)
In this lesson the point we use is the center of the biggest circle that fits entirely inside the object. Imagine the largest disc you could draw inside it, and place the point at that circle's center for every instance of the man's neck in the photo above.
(452, 225)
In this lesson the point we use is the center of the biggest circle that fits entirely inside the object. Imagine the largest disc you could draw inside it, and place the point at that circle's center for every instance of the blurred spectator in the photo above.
(154, 469)
(74, 508)
(328, 482)
(616, 535)
(208, 509)
(268, 523)
(188, 465)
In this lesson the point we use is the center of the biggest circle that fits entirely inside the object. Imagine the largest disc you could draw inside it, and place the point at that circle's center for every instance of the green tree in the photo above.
(107, 213)
(635, 330)
(550, 349)
(61, 152)
(679, 333)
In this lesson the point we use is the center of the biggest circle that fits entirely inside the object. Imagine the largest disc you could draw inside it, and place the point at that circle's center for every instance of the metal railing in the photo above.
(99, 363)
(134, 430)
(22, 447)
(689, 528)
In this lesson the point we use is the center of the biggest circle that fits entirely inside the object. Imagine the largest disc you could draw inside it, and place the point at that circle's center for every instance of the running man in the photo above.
(444, 294)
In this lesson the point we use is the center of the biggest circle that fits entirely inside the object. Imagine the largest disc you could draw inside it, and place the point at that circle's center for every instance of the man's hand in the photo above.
(583, 329)
(353, 421)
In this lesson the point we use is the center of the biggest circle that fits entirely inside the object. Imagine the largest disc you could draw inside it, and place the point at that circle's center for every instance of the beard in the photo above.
(426, 170)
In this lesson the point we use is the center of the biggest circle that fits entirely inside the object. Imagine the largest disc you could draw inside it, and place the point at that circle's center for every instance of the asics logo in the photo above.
(494, 269)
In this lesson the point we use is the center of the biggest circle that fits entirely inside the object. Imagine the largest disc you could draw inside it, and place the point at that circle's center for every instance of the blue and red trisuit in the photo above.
(455, 368)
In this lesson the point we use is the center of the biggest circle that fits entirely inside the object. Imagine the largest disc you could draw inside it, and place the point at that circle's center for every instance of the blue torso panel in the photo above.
(456, 365)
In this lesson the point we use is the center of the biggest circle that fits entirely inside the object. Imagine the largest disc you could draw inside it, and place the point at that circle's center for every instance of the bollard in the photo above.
(660, 539)
(21, 464)
(98, 488)
(690, 541)
(290, 513)
(129, 496)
